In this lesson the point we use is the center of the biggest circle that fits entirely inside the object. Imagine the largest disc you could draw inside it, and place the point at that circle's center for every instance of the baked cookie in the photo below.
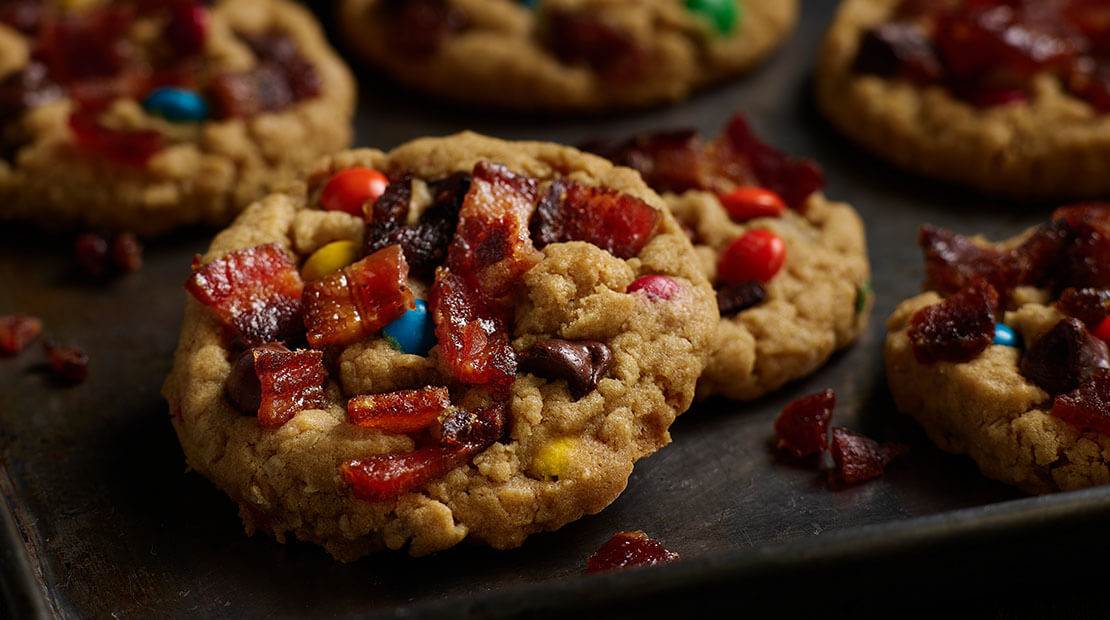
(146, 116)
(1007, 96)
(790, 267)
(570, 319)
(564, 54)
(1004, 357)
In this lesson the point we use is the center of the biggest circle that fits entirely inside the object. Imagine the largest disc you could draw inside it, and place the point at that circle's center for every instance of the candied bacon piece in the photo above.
(628, 549)
(126, 252)
(403, 411)
(243, 94)
(899, 48)
(956, 329)
(133, 148)
(243, 388)
(580, 36)
(492, 246)
(803, 426)
(473, 333)
(860, 458)
(90, 252)
(87, 43)
(465, 434)
(1088, 257)
(738, 153)
(952, 261)
(17, 331)
(23, 15)
(417, 28)
(1087, 211)
(257, 291)
(67, 364)
(1090, 305)
(358, 300)
(386, 216)
(669, 161)
(1040, 258)
(615, 222)
(381, 477)
(1088, 406)
(289, 381)
(1064, 357)
(278, 50)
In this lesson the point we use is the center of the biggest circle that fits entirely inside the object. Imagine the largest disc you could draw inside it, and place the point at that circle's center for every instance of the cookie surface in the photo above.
(564, 54)
(94, 137)
(1038, 139)
(816, 302)
(567, 450)
(1005, 401)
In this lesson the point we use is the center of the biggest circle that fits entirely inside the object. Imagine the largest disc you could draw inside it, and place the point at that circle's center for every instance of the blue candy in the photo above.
(1004, 336)
(414, 332)
(177, 105)
(530, 3)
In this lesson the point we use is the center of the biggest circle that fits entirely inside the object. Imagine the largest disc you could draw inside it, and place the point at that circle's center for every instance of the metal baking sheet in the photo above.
(102, 520)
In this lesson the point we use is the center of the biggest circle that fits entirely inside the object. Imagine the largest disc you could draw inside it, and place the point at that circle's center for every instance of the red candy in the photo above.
(290, 381)
(754, 257)
(404, 411)
(860, 458)
(745, 203)
(1103, 330)
(257, 291)
(655, 287)
(348, 190)
(803, 426)
(628, 549)
(17, 331)
(358, 300)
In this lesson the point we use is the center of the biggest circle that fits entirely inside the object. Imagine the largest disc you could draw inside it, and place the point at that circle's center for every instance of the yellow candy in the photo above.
(553, 459)
(332, 257)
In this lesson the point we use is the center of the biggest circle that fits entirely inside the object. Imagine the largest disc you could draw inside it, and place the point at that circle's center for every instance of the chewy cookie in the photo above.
(790, 267)
(564, 54)
(1005, 357)
(1006, 96)
(146, 116)
(484, 351)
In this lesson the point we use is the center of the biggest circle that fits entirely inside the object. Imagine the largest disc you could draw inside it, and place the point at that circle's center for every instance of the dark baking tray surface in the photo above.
(102, 520)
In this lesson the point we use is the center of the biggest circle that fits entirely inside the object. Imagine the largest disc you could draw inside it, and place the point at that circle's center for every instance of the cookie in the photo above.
(1004, 356)
(989, 94)
(790, 266)
(522, 323)
(564, 54)
(144, 117)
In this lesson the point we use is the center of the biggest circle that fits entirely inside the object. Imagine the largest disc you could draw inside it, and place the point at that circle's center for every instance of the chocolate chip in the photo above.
(581, 364)
(736, 297)
(243, 389)
(1064, 357)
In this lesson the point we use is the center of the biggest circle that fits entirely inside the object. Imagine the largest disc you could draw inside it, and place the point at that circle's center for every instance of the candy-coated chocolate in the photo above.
(1004, 336)
(178, 105)
(1103, 330)
(348, 190)
(755, 256)
(655, 287)
(414, 332)
(745, 203)
(725, 15)
(862, 293)
(331, 257)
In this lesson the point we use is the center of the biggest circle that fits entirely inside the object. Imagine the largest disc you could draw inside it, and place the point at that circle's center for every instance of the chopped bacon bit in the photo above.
(958, 328)
(1090, 305)
(473, 333)
(860, 458)
(358, 300)
(669, 161)
(256, 291)
(403, 411)
(577, 36)
(90, 252)
(737, 151)
(382, 477)
(628, 549)
(290, 381)
(126, 252)
(132, 148)
(492, 246)
(17, 331)
(243, 388)
(68, 364)
(419, 27)
(1088, 406)
(803, 426)
(615, 222)
(1064, 357)
(952, 261)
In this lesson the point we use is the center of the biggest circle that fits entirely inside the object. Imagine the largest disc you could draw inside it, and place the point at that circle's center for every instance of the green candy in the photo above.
(862, 293)
(725, 15)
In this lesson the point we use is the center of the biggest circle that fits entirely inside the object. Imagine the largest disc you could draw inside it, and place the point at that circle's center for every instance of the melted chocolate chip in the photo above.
(736, 297)
(1064, 357)
(243, 388)
(581, 364)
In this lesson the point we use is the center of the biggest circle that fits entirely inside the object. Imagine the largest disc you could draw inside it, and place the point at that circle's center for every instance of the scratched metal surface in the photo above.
(103, 520)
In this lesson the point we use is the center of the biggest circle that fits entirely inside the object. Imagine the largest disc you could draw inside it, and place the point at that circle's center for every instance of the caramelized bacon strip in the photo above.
(473, 333)
(616, 222)
(358, 300)
(403, 411)
(290, 381)
(256, 291)
(956, 329)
